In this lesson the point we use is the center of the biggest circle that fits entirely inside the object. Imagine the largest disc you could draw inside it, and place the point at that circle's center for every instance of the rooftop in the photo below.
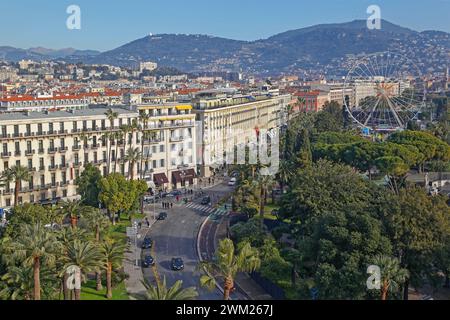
(88, 112)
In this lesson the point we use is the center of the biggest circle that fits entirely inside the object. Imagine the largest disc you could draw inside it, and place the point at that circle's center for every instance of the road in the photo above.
(177, 237)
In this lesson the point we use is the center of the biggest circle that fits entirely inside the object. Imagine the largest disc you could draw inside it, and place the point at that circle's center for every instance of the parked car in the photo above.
(177, 264)
(206, 201)
(148, 262)
(232, 183)
(147, 243)
(162, 216)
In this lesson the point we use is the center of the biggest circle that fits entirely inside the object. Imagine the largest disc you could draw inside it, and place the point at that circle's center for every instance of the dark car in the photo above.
(206, 201)
(177, 264)
(162, 216)
(148, 262)
(175, 193)
(147, 243)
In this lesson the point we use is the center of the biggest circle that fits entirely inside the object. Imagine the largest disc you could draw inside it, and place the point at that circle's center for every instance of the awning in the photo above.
(160, 179)
(183, 107)
(186, 175)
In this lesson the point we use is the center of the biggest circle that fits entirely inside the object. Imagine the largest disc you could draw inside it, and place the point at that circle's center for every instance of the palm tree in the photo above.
(5, 179)
(133, 156)
(86, 257)
(285, 173)
(143, 118)
(124, 131)
(111, 116)
(176, 292)
(75, 210)
(98, 223)
(17, 174)
(392, 274)
(118, 136)
(66, 236)
(264, 183)
(112, 253)
(35, 246)
(228, 263)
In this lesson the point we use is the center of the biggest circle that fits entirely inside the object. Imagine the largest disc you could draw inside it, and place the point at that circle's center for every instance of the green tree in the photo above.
(85, 256)
(418, 226)
(18, 174)
(34, 247)
(133, 156)
(176, 292)
(228, 263)
(87, 184)
(392, 275)
(111, 116)
(112, 253)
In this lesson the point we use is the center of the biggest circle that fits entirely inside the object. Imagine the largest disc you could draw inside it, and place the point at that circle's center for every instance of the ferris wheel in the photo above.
(384, 91)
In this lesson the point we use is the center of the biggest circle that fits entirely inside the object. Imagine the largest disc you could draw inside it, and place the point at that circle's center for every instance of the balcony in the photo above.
(63, 149)
(17, 153)
(32, 169)
(6, 154)
(78, 164)
(76, 130)
(95, 146)
(64, 166)
(76, 148)
(52, 150)
(41, 168)
(176, 139)
(63, 131)
(52, 168)
(29, 153)
(29, 134)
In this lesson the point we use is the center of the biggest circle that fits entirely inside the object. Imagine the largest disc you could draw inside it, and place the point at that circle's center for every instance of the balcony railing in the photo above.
(52, 150)
(6, 154)
(30, 152)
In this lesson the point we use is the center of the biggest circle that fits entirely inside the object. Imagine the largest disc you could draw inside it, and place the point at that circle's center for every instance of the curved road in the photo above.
(177, 237)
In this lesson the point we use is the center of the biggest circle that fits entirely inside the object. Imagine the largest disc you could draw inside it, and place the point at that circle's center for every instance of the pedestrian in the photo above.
(147, 222)
(171, 205)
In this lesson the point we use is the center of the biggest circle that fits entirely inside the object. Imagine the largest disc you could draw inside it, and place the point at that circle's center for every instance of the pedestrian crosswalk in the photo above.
(207, 209)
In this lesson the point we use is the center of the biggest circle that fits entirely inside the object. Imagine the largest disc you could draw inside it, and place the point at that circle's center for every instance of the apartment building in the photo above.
(170, 141)
(56, 147)
(226, 120)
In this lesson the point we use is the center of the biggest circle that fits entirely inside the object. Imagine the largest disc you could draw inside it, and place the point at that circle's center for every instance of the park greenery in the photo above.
(344, 203)
(42, 243)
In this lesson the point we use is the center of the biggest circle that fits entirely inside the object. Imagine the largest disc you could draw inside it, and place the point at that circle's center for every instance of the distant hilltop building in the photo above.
(147, 65)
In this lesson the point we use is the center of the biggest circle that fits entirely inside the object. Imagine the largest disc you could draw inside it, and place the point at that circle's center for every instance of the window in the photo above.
(8, 202)
(105, 171)
(28, 129)
(30, 164)
(53, 195)
(154, 164)
(31, 183)
(75, 125)
(17, 148)
(61, 126)
(5, 148)
(105, 157)
(4, 131)
(41, 163)
(42, 181)
(63, 160)
(41, 146)
(29, 147)
(63, 144)
(154, 149)
(161, 148)
(16, 130)
(77, 173)
(76, 158)
(86, 158)
(63, 177)
(53, 178)
(5, 165)
(50, 127)
(40, 128)
(173, 147)
(162, 163)
(32, 198)
(64, 193)
(43, 196)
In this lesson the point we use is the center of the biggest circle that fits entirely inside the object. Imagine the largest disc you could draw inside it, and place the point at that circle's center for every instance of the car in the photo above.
(233, 180)
(162, 216)
(206, 201)
(177, 264)
(148, 262)
(150, 199)
(231, 183)
(175, 193)
(147, 243)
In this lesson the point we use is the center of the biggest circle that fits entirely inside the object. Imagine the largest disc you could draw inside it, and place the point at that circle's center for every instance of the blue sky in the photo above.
(107, 24)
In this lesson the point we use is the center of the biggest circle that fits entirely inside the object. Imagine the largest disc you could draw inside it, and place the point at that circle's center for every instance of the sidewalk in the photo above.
(135, 288)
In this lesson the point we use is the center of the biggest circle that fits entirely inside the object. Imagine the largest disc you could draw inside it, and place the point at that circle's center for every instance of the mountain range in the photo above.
(325, 49)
